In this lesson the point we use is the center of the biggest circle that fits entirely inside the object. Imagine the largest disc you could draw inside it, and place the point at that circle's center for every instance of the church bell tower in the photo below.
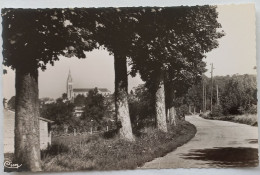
(69, 87)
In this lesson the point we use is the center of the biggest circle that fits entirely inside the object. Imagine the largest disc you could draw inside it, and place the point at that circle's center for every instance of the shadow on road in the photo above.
(226, 156)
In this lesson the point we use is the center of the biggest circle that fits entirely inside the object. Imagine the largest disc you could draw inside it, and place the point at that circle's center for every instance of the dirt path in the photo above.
(216, 144)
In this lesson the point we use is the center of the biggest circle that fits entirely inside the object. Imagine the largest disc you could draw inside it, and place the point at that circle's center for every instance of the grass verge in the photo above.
(97, 153)
(249, 119)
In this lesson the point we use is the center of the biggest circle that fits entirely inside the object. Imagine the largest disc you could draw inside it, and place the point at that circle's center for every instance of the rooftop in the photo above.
(9, 114)
(88, 89)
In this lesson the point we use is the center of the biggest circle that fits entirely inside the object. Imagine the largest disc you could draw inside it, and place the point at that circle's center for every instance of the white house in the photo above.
(9, 122)
(78, 111)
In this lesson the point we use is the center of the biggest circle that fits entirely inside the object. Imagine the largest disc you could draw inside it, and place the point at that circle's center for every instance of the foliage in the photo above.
(94, 106)
(194, 96)
(177, 47)
(239, 94)
(97, 113)
(115, 28)
(95, 153)
(11, 103)
(141, 108)
(64, 96)
(60, 113)
(249, 119)
(252, 109)
(217, 111)
(79, 100)
(238, 99)
(35, 37)
(182, 110)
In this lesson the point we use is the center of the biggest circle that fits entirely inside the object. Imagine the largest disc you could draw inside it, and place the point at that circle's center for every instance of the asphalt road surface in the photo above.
(216, 144)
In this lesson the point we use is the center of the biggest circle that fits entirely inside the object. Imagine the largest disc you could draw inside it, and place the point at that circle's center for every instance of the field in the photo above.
(93, 152)
(249, 119)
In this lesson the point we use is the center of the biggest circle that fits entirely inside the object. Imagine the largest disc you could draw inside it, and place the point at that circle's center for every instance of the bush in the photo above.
(252, 109)
(239, 95)
(206, 115)
(217, 111)
(183, 109)
(246, 119)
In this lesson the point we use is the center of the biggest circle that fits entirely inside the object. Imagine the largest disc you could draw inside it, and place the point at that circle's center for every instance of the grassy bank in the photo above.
(249, 119)
(97, 153)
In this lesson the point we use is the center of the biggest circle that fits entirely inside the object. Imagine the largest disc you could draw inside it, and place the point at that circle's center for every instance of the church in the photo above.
(73, 92)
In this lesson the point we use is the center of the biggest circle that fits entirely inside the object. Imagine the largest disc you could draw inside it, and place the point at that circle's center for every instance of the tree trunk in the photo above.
(172, 112)
(160, 104)
(27, 134)
(172, 116)
(121, 98)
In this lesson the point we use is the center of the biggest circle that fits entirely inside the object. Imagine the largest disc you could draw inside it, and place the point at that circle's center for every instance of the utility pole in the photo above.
(211, 93)
(217, 95)
(203, 98)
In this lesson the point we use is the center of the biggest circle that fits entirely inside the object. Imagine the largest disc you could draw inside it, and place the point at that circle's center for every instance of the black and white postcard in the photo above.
(119, 88)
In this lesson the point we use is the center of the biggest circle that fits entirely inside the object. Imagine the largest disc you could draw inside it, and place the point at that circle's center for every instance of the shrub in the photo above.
(241, 110)
(206, 115)
(183, 109)
(246, 119)
(252, 109)
(217, 111)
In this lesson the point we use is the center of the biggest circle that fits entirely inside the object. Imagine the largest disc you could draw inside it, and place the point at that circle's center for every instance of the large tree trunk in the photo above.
(121, 97)
(160, 104)
(172, 113)
(172, 116)
(27, 134)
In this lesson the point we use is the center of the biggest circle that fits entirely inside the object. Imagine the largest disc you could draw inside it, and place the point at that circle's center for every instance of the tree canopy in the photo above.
(38, 36)
(175, 40)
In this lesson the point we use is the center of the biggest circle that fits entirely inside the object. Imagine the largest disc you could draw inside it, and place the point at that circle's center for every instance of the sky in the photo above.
(236, 54)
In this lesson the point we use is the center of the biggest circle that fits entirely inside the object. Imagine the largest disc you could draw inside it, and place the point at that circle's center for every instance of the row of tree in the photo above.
(165, 45)
(232, 95)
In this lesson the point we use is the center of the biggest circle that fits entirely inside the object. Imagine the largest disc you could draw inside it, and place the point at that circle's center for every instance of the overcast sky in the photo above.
(236, 54)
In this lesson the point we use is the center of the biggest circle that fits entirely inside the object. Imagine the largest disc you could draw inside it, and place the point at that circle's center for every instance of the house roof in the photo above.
(9, 113)
(104, 90)
(45, 119)
(82, 89)
(88, 89)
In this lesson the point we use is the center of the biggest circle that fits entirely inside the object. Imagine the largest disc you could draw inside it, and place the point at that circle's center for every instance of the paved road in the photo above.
(216, 144)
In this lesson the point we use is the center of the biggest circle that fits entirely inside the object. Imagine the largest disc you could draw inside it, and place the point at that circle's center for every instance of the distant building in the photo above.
(78, 111)
(46, 100)
(9, 124)
(73, 92)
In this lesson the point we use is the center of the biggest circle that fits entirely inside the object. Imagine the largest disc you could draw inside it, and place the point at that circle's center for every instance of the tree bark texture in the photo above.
(160, 104)
(172, 113)
(172, 116)
(121, 97)
(27, 134)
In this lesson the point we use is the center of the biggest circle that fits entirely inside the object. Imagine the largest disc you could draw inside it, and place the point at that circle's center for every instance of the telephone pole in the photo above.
(211, 93)
(217, 95)
(203, 98)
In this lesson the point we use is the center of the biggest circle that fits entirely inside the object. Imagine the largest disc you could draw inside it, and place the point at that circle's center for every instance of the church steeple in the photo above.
(69, 77)
(69, 86)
